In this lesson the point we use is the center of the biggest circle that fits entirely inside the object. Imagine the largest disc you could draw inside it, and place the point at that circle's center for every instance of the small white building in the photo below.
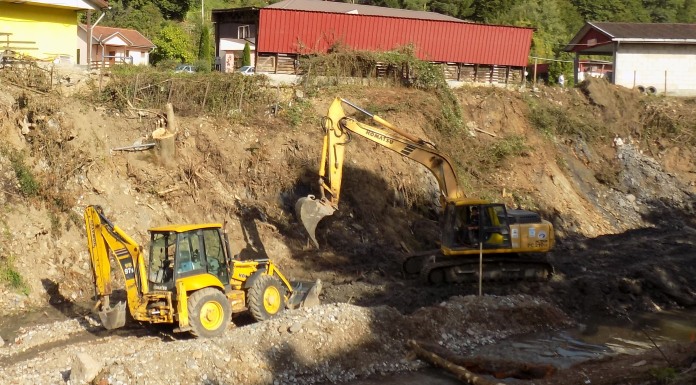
(231, 53)
(651, 57)
(113, 46)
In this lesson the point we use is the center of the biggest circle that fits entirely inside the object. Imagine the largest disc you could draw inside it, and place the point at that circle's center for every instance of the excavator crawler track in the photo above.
(439, 269)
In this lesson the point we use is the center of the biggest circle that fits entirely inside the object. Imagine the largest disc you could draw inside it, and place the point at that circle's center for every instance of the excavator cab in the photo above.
(475, 225)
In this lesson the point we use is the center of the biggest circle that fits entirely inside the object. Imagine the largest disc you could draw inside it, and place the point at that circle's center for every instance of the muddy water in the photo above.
(564, 348)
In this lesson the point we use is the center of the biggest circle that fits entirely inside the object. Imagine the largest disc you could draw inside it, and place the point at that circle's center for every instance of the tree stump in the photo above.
(165, 138)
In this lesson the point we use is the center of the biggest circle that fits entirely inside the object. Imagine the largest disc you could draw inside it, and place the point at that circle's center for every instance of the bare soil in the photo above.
(612, 169)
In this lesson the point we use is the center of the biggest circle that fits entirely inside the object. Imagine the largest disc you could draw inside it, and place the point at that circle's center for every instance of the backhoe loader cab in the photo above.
(191, 279)
(180, 252)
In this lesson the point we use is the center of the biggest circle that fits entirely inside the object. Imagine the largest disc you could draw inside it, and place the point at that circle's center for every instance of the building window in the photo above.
(242, 32)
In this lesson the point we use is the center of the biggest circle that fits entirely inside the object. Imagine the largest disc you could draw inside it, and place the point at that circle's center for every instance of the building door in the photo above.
(112, 54)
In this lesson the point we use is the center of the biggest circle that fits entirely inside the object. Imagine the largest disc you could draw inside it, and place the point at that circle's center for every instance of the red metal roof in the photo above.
(358, 9)
(288, 31)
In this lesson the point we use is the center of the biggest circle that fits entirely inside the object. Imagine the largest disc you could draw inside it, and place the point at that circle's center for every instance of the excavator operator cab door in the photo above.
(473, 226)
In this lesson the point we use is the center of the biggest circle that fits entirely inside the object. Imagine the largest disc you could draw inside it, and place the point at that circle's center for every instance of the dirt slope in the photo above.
(613, 170)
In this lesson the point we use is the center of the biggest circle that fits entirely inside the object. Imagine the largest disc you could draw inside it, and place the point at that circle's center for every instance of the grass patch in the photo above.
(11, 277)
(28, 185)
(553, 120)
(297, 112)
(511, 146)
(664, 375)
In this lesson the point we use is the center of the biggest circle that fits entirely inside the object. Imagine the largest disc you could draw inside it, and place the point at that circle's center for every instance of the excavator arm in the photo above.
(104, 239)
(337, 133)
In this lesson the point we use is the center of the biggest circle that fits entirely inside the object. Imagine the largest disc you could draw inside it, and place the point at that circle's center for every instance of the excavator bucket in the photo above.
(113, 317)
(310, 211)
(304, 294)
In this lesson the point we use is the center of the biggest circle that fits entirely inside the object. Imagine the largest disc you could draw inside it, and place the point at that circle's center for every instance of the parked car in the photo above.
(185, 68)
(247, 70)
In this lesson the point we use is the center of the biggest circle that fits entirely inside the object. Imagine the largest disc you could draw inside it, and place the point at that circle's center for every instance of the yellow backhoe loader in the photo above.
(512, 242)
(191, 281)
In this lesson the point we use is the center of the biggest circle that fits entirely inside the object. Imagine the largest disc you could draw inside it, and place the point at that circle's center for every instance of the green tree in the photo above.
(415, 5)
(687, 14)
(246, 56)
(173, 9)
(172, 43)
(204, 49)
(147, 20)
(457, 8)
(612, 10)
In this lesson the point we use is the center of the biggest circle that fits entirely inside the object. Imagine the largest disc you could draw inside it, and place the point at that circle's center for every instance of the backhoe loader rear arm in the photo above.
(105, 238)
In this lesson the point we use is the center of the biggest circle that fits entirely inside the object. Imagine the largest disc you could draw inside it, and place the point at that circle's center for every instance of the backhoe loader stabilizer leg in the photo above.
(310, 211)
(305, 294)
(113, 317)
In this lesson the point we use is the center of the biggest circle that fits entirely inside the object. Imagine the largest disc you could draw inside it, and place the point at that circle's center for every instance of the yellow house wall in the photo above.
(53, 29)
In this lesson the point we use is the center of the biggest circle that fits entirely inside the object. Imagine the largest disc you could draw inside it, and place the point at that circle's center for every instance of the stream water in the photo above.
(565, 348)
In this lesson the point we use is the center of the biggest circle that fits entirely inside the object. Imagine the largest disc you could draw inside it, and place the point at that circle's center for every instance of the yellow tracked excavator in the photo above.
(512, 243)
(191, 281)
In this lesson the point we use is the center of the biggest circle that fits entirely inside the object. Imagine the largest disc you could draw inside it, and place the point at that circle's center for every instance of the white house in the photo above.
(114, 45)
(231, 51)
(651, 57)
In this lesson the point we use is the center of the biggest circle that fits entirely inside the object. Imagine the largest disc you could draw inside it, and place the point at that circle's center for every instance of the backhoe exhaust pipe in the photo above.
(310, 211)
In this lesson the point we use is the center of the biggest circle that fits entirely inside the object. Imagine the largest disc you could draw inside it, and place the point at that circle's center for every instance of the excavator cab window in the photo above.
(468, 226)
(495, 230)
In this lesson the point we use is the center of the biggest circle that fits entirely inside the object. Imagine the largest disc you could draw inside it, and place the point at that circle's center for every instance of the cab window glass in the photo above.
(214, 254)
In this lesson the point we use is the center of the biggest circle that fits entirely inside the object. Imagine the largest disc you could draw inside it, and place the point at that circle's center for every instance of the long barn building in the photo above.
(281, 32)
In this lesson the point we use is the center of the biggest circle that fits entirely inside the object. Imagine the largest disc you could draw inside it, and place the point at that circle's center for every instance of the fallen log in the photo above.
(497, 368)
(460, 372)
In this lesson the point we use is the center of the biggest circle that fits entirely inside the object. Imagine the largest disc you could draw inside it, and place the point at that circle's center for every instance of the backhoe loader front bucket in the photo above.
(304, 294)
(113, 317)
(310, 211)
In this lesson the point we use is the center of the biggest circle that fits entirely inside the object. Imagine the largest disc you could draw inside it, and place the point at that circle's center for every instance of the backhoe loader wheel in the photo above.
(266, 297)
(209, 313)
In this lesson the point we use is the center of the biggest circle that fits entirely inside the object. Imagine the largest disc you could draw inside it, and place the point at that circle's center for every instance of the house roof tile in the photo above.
(647, 31)
(132, 36)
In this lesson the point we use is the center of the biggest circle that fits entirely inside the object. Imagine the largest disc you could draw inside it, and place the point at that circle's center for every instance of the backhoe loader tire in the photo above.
(209, 313)
(266, 297)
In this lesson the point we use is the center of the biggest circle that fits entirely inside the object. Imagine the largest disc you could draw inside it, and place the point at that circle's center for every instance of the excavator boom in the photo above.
(337, 133)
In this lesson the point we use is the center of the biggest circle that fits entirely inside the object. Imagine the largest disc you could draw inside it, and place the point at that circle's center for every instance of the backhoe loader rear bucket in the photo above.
(113, 317)
(304, 294)
(310, 211)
